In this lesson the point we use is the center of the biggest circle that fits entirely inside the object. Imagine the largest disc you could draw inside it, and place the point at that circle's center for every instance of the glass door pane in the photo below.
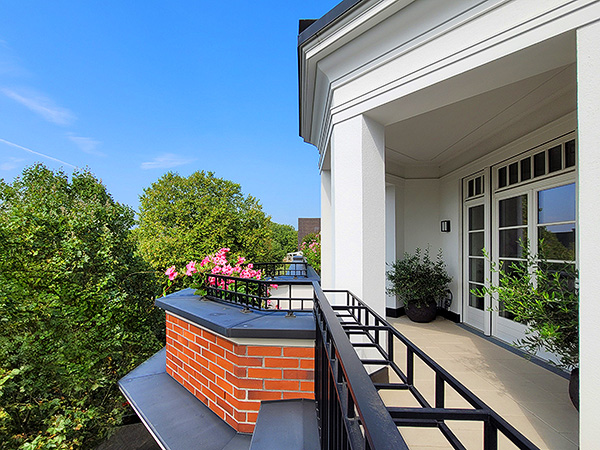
(512, 235)
(476, 261)
(556, 223)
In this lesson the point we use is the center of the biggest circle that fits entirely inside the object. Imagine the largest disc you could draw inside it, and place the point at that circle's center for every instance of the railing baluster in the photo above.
(439, 390)
(490, 436)
(410, 366)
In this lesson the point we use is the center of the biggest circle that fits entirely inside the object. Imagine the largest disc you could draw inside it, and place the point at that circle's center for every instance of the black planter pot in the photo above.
(574, 388)
(426, 313)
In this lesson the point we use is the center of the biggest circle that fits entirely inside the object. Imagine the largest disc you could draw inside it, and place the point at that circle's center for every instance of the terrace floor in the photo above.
(531, 398)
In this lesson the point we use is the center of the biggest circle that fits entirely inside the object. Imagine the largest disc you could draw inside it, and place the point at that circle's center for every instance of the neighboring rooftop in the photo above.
(308, 225)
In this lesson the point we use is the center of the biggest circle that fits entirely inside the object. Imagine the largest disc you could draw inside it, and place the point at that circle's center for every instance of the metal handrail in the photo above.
(294, 269)
(256, 294)
(379, 334)
(351, 413)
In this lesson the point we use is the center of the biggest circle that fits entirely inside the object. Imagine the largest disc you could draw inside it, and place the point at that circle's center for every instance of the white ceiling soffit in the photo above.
(469, 128)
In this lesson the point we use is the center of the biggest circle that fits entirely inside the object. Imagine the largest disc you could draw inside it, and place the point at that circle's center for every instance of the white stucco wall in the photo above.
(422, 215)
(588, 66)
(450, 209)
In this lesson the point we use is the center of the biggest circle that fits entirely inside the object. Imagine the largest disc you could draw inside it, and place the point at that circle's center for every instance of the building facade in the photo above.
(478, 118)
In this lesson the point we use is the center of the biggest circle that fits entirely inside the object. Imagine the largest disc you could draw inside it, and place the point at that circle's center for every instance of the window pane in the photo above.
(526, 169)
(557, 241)
(501, 177)
(476, 243)
(555, 159)
(511, 242)
(471, 188)
(513, 173)
(570, 153)
(478, 187)
(539, 164)
(474, 300)
(476, 218)
(567, 276)
(504, 313)
(476, 267)
(513, 267)
(557, 204)
(513, 211)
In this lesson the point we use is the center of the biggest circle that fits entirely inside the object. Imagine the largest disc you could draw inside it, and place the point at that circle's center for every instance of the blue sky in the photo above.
(134, 89)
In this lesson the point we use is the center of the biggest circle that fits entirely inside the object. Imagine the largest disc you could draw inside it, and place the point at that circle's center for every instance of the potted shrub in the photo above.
(545, 297)
(420, 282)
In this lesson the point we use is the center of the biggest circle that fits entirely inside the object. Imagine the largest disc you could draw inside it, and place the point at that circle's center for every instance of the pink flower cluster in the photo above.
(219, 264)
(190, 269)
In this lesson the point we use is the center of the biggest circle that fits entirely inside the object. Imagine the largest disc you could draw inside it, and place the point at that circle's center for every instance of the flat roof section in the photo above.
(176, 419)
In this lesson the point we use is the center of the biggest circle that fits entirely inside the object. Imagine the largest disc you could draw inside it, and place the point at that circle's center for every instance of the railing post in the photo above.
(490, 436)
(410, 366)
(439, 390)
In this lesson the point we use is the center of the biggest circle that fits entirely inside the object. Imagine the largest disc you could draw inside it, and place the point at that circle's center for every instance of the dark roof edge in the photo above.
(338, 11)
(307, 32)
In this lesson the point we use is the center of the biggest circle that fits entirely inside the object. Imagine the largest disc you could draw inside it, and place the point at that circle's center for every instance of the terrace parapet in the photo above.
(231, 359)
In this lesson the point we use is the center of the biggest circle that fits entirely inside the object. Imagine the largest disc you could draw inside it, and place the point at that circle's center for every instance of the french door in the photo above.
(476, 266)
(530, 198)
(543, 214)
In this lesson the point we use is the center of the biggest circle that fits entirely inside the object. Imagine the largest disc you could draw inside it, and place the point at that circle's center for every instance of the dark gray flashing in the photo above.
(318, 25)
(301, 429)
(176, 419)
(228, 319)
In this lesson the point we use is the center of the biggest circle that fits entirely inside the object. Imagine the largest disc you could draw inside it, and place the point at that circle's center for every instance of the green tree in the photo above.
(183, 219)
(76, 310)
(285, 240)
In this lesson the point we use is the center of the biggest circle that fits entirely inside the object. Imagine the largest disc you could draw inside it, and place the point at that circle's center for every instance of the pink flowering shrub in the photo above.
(311, 249)
(219, 263)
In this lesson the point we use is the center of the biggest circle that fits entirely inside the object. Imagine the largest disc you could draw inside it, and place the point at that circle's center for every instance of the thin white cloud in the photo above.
(12, 144)
(9, 63)
(165, 161)
(11, 164)
(41, 105)
(86, 144)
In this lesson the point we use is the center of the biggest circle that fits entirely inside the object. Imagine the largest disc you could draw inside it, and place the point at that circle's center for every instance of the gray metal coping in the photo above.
(176, 419)
(286, 424)
(228, 319)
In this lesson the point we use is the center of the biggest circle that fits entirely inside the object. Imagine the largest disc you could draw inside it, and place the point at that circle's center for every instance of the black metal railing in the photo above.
(295, 269)
(351, 413)
(350, 337)
(379, 342)
(283, 294)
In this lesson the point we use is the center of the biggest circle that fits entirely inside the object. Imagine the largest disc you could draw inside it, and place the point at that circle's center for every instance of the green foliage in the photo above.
(76, 310)
(183, 219)
(285, 240)
(419, 279)
(311, 249)
(545, 297)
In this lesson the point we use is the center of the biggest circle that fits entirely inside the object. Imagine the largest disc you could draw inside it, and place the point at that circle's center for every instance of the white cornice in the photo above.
(566, 16)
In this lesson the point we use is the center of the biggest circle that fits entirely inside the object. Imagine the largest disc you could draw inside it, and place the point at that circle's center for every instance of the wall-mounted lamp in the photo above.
(445, 226)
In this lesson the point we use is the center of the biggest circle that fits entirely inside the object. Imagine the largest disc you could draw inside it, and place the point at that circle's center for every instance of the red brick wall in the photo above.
(232, 379)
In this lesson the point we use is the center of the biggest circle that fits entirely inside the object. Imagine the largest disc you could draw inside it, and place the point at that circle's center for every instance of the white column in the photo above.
(588, 116)
(326, 231)
(358, 205)
(390, 236)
